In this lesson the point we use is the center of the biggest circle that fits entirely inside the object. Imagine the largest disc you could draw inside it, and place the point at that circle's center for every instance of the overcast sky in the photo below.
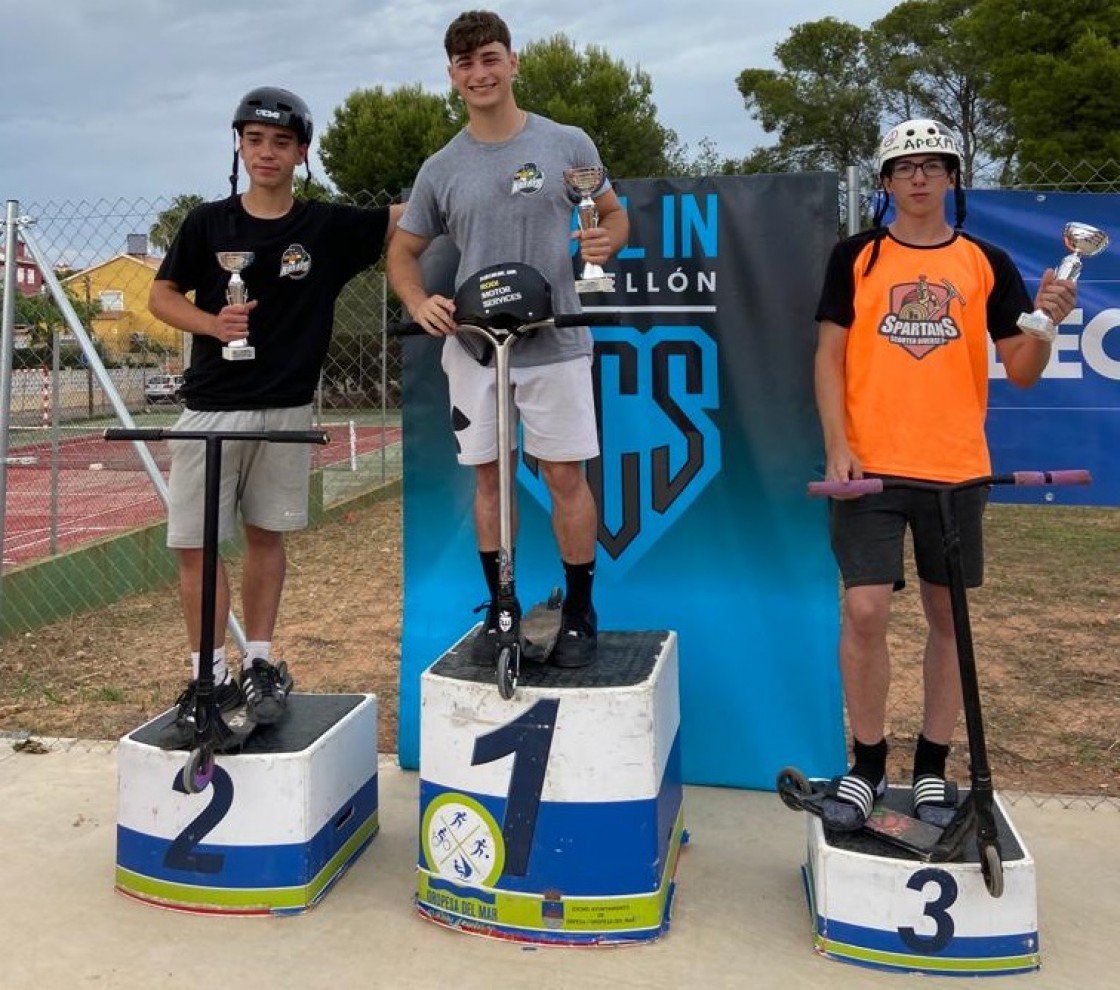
(107, 99)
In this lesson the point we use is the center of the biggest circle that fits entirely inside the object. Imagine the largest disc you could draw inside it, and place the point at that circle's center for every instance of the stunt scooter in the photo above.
(212, 733)
(499, 306)
(975, 814)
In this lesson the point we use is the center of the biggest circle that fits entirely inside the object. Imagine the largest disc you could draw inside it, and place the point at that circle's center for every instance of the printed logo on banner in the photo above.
(657, 392)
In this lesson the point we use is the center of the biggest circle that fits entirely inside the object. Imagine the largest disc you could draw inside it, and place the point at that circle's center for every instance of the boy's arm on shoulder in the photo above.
(396, 210)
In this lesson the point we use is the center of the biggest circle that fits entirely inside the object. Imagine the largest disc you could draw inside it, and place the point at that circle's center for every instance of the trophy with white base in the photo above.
(583, 181)
(235, 262)
(1083, 241)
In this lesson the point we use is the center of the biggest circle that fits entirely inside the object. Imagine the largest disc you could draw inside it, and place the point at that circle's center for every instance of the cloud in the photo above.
(132, 98)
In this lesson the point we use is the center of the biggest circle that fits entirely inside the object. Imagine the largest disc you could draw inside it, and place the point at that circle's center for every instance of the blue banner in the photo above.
(709, 435)
(1071, 418)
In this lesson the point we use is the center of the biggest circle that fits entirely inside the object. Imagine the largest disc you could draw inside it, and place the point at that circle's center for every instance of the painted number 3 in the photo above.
(937, 909)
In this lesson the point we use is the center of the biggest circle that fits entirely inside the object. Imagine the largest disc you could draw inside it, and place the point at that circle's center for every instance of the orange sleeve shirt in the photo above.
(916, 360)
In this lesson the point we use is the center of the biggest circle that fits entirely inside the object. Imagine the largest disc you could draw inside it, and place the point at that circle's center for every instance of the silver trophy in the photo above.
(235, 262)
(1083, 241)
(583, 181)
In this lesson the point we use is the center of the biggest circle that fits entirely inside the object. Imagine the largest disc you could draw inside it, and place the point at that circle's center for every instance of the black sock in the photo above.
(930, 757)
(578, 579)
(489, 560)
(870, 761)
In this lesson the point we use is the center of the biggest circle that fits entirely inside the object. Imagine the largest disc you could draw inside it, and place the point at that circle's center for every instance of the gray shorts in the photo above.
(868, 534)
(554, 403)
(267, 482)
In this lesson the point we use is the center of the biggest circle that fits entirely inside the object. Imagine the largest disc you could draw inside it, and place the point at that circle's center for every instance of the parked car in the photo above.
(163, 388)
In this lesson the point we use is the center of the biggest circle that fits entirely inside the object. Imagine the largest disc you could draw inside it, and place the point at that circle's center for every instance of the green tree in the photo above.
(824, 104)
(929, 66)
(377, 140)
(1055, 69)
(168, 222)
(613, 104)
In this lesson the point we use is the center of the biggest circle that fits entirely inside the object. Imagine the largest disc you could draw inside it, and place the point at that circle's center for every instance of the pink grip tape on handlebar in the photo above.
(1078, 476)
(857, 486)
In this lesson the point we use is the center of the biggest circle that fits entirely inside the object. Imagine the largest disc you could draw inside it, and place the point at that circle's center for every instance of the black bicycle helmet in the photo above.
(272, 105)
(503, 297)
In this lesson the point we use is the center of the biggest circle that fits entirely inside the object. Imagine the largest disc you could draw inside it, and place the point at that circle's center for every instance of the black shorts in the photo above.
(867, 536)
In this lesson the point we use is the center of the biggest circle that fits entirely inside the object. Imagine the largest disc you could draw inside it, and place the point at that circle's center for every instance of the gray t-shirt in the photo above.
(508, 202)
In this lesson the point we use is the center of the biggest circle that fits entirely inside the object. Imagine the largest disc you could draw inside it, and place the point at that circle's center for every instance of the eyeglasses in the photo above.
(932, 169)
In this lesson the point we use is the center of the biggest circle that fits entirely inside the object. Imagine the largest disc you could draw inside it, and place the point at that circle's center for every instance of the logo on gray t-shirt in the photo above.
(528, 179)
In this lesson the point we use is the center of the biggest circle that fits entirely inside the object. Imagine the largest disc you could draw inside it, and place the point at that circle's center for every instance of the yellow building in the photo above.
(120, 288)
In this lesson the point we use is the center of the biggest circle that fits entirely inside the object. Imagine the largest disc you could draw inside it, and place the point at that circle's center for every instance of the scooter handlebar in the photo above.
(404, 329)
(151, 435)
(871, 486)
(559, 320)
(856, 486)
(587, 319)
(1077, 476)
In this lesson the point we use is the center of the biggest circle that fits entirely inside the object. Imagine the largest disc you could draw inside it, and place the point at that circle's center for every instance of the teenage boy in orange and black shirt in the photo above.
(902, 390)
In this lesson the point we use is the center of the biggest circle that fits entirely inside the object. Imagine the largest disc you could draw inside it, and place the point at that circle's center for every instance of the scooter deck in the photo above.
(540, 627)
(238, 728)
(912, 835)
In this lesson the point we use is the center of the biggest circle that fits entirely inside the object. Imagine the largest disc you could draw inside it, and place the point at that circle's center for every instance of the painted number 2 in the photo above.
(937, 909)
(182, 853)
(529, 738)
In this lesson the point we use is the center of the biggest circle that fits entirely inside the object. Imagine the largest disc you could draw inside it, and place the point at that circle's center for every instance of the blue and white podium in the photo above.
(556, 816)
(873, 906)
(277, 824)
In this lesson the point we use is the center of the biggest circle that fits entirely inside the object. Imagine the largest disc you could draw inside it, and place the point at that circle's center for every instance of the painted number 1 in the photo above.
(529, 738)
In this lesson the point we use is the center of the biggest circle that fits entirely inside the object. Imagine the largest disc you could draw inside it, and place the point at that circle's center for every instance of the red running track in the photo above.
(103, 489)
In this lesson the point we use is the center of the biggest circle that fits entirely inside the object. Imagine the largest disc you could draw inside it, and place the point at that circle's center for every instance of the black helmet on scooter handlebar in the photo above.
(504, 296)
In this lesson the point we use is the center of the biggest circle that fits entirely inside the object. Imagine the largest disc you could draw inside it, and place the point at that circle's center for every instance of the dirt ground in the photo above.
(1046, 627)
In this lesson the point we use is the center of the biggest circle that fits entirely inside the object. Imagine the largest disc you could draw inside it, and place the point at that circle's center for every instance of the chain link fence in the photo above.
(1068, 177)
(82, 519)
(73, 500)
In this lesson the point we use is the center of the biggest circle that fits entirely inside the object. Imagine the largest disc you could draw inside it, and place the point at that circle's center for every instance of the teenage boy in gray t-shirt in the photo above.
(497, 188)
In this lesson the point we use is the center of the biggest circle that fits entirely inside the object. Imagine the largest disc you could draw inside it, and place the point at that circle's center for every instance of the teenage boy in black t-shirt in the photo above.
(303, 255)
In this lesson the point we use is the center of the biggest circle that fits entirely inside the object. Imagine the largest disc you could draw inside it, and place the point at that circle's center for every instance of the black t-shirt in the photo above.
(301, 263)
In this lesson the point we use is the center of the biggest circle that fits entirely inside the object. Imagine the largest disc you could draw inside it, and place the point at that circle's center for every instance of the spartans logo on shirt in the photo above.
(528, 179)
(295, 262)
(919, 320)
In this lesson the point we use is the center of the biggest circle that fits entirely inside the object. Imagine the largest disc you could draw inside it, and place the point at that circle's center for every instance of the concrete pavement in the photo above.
(739, 920)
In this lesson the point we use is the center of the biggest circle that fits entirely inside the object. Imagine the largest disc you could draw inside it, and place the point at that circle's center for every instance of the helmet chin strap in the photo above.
(233, 168)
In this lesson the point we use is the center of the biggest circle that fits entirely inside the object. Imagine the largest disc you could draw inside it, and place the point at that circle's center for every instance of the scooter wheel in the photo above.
(992, 868)
(198, 771)
(792, 785)
(507, 674)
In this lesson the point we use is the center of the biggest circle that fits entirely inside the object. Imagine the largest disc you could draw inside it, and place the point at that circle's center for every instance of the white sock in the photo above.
(256, 648)
(221, 670)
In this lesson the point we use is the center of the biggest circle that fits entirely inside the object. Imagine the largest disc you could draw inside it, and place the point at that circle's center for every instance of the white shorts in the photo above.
(268, 482)
(554, 403)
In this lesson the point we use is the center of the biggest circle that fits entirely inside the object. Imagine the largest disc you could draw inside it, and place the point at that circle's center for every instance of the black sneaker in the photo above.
(179, 733)
(484, 646)
(266, 688)
(578, 640)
